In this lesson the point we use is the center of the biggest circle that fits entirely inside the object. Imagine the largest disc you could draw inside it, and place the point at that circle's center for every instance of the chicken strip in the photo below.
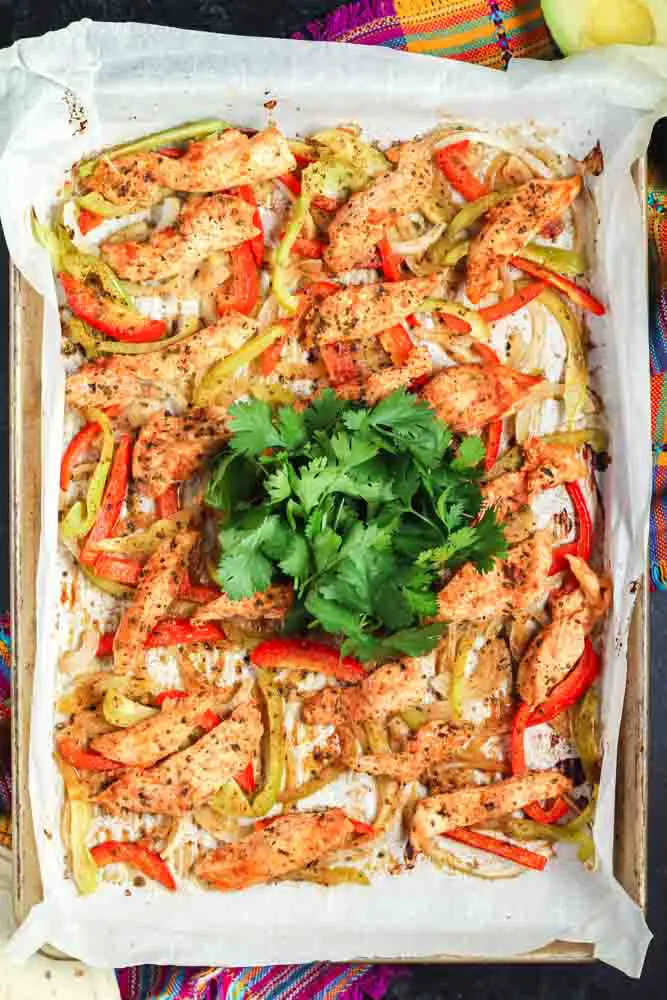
(475, 804)
(190, 777)
(558, 647)
(286, 845)
(131, 182)
(362, 222)
(513, 585)
(360, 311)
(388, 690)
(206, 224)
(158, 587)
(227, 160)
(512, 224)
(468, 397)
(170, 449)
(170, 729)
(271, 604)
(434, 742)
(545, 466)
(388, 380)
(173, 371)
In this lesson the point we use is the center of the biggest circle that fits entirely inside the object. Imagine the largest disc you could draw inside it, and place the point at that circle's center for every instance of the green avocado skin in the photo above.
(569, 22)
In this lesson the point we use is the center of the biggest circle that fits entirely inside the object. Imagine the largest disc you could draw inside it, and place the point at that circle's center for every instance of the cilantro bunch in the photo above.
(362, 508)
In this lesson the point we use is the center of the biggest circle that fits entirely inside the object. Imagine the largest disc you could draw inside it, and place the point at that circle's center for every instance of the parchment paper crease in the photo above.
(94, 84)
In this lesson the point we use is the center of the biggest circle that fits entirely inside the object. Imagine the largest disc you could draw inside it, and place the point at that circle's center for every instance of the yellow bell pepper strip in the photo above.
(340, 875)
(216, 376)
(463, 650)
(587, 734)
(84, 869)
(575, 377)
(292, 795)
(471, 212)
(568, 262)
(112, 852)
(123, 712)
(180, 133)
(578, 295)
(116, 320)
(80, 518)
(477, 326)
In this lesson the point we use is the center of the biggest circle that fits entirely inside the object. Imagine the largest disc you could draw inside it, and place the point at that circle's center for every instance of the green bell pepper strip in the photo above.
(479, 328)
(575, 832)
(596, 437)
(216, 376)
(365, 160)
(342, 875)
(587, 733)
(155, 140)
(388, 791)
(575, 377)
(567, 262)
(97, 203)
(472, 211)
(281, 259)
(329, 774)
(229, 800)
(80, 518)
(274, 765)
(414, 718)
(78, 332)
(45, 235)
(110, 587)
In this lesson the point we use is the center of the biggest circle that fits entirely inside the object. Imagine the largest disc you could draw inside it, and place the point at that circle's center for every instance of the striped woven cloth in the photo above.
(657, 218)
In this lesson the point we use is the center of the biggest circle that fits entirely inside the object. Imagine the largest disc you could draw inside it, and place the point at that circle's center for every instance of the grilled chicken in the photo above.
(434, 742)
(190, 777)
(512, 224)
(131, 182)
(468, 397)
(513, 585)
(170, 449)
(159, 374)
(558, 647)
(388, 690)
(205, 224)
(545, 466)
(360, 311)
(286, 845)
(477, 804)
(271, 604)
(84, 727)
(170, 729)
(159, 584)
(363, 220)
(388, 380)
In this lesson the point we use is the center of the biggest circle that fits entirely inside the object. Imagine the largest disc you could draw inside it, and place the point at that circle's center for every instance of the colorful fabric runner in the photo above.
(657, 227)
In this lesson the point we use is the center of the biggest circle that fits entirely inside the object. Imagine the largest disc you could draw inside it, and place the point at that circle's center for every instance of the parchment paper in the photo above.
(91, 85)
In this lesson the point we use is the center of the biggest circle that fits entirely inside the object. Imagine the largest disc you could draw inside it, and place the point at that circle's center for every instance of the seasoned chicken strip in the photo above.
(84, 727)
(475, 804)
(159, 374)
(468, 397)
(173, 727)
(512, 224)
(433, 743)
(170, 449)
(545, 466)
(190, 777)
(558, 647)
(159, 584)
(286, 845)
(513, 585)
(272, 603)
(360, 311)
(388, 380)
(362, 221)
(388, 690)
(130, 182)
(227, 160)
(206, 224)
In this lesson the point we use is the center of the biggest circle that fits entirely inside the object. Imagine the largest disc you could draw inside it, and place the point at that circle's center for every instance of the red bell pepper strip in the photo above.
(362, 829)
(397, 344)
(339, 362)
(513, 303)
(172, 693)
(198, 593)
(118, 321)
(246, 779)
(390, 261)
(304, 654)
(494, 433)
(173, 152)
(120, 569)
(179, 631)
(582, 544)
(324, 203)
(487, 354)
(549, 814)
(208, 720)
(168, 503)
(148, 862)
(571, 689)
(88, 220)
(573, 291)
(76, 450)
(452, 161)
(291, 182)
(246, 193)
(105, 644)
(271, 356)
(112, 502)
(534, 810)
(312, 249)
(454, 323)
(242, 289)
(84, 760)
(513, 852)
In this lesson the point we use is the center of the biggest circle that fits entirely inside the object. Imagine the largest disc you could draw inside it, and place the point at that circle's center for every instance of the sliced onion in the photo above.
(268, 314)
(496, 142)
(420, 244)
(75, 661)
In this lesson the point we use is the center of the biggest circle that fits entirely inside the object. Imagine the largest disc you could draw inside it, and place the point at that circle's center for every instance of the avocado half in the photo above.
(584, 24)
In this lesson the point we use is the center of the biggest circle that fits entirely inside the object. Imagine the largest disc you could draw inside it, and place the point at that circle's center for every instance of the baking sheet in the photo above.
(91, 85)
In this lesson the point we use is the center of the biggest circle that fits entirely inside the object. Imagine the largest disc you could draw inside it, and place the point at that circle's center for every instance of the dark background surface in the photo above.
(21, 18)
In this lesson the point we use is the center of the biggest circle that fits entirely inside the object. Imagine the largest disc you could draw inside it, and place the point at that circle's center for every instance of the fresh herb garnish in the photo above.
(363, 508)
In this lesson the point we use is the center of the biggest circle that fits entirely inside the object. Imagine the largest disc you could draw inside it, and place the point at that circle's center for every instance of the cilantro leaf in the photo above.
(323, 411)
(470, 453)
(243, 572)
(297, 560)
(333, 617)
(414, 641)
(350, 451)
(252, 427)
(234, 479)
(277, 485)
(292, 428)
